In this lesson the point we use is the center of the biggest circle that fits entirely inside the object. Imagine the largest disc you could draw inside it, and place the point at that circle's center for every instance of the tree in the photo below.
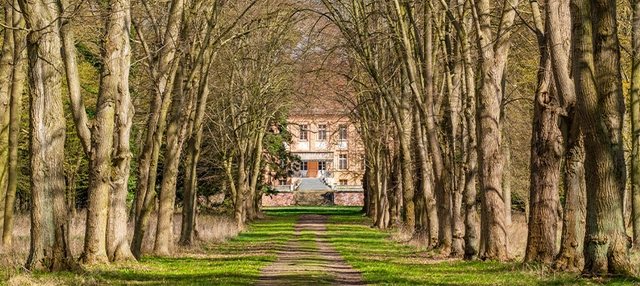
(18, 74)
(596, 66)
(493, 52)
(546, 153)
(49, 221)
(635, 123)
(162, 66)
(106, 145)
(115, 79)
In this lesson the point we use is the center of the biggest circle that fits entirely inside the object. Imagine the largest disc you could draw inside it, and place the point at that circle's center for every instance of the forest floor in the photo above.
(313, 246)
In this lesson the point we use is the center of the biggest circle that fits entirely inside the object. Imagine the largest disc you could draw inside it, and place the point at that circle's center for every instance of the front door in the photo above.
(313, 169)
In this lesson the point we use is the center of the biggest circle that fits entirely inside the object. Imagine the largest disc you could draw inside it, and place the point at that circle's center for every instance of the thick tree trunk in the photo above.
(570, 257)
(95, 244)
(546, 156)
(50, 249)
(601, 106)
(493, 55)
(116, 58)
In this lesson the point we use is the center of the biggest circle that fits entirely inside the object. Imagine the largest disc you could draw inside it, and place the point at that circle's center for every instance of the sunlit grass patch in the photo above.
(385, 261)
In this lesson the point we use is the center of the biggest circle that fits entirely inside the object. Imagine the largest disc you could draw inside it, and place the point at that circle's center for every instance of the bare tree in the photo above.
(493, 49)
(635, 123)
(50, 247)
(596, 67)
(18, 74)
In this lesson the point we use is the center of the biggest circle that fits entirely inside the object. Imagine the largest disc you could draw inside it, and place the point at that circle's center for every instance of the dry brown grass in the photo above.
(517, 235)
(211, 228)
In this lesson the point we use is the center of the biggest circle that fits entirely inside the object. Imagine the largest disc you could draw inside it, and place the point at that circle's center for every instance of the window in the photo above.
(342, 132)
(342, 162)
(303, 166)
(363, 162)
(343, 182)
(322, 132)
(304, 132)
(282, 182)
(322, 166)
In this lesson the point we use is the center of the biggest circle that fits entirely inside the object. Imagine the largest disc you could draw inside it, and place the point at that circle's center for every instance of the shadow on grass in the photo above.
(300, 210)
(190, 271)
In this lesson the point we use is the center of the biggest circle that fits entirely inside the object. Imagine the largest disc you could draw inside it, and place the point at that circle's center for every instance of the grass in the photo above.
(382, 259)
(236, 261)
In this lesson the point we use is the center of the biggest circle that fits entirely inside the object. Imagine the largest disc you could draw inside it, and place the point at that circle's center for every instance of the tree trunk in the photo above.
(506, 175)
(180, 109)
(635, 124)
(596, 67)
(570, 257)
(50, 249)
(6, 60)
(17, 87)
(163, 69)
(471, 169)
(255, 174)
(426, 186)
(546, 156)
(493, 55)
(117, 55)
(189, 232)
(240, 188)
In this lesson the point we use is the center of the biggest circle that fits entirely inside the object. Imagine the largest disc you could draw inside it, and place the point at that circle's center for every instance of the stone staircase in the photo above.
(313, 192)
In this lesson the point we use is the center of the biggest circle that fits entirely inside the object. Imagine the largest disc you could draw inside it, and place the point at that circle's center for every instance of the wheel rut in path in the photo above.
(308, 261)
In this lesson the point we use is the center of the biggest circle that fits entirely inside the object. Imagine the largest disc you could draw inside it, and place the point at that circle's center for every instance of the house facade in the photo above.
(329, 148)
(331, 166)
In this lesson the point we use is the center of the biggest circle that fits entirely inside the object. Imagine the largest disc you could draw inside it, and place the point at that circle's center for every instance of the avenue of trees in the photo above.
(131, 110)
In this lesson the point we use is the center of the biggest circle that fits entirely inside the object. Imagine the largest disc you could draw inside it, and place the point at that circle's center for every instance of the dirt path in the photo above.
(309, 261)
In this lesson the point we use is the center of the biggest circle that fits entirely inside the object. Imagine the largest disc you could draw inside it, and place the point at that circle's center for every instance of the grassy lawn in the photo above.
(387, 262)
(234, 262)
(382, 260)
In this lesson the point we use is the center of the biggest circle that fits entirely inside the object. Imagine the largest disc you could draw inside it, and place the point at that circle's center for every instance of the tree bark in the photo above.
(164, 67)
(176, 130)
(598, 84)
(546, 156)
(570, 257)
(188, 233)
(117, 57)
(18, 75)
(493, 54)
(6, 61)
(50, 249)
(635, 123)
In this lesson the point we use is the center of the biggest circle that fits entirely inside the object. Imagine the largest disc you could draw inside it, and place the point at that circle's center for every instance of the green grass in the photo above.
(234, 262)
(382, 260)
(386, 262)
